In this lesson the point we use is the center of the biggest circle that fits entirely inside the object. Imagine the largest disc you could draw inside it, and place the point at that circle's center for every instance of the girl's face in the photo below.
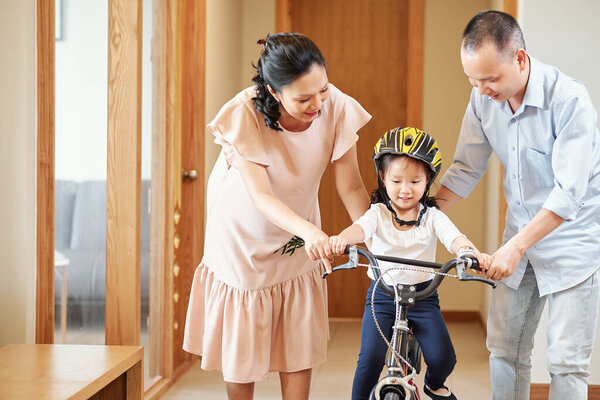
(302, 99)
(405, 182)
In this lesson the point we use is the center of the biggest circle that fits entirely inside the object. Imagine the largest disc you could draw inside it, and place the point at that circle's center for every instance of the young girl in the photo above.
(258, 303)
(403, 221)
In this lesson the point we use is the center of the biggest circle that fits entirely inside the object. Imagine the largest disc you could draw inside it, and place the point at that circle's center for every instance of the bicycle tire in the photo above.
(392, 396)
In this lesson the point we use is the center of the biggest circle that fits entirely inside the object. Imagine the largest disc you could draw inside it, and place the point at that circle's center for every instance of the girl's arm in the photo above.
(483, 258)
(349, 184)
(445, 228)
(349, 236)
(462, 241)
(259, 188)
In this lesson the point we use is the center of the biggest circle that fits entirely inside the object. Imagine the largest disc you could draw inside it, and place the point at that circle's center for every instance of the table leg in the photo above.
(63, 306)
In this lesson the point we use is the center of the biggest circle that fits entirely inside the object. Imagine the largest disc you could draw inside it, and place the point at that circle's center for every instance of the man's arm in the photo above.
(507, 257)
(446, 198)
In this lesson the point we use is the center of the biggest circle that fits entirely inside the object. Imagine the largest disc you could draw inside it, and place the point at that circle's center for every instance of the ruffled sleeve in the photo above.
(352, 117)
(237, 124)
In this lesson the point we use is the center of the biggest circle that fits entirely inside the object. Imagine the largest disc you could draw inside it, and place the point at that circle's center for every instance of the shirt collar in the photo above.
(534, 94)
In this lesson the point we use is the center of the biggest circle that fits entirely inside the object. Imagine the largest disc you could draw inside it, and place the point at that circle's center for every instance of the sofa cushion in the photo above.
(64, 201)
(89, 217)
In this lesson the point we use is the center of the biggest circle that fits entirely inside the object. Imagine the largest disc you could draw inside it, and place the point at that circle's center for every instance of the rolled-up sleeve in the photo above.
(471, 156)
(571, 155)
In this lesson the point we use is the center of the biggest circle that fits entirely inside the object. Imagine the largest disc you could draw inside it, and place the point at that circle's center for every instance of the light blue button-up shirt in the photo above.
(550, 152)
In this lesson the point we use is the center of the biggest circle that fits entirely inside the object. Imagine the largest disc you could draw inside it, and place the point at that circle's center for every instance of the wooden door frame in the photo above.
(174, 58)
(124, 173)
(124, 150)
(44, 322)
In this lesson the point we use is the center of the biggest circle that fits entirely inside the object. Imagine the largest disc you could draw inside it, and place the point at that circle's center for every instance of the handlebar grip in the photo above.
(475, 265)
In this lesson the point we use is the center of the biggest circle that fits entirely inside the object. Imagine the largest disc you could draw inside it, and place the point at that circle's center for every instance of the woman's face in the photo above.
(303, 98)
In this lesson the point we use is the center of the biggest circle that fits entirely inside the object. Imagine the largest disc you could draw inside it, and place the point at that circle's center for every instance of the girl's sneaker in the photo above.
(434, 396)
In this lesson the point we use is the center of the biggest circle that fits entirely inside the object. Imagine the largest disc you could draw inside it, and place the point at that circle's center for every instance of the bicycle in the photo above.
(404, 358)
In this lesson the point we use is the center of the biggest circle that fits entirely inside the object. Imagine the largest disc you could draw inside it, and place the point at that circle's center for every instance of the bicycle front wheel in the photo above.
(392, 396)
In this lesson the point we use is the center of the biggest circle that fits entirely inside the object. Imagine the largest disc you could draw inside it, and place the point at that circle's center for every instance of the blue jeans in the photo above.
(429, 328)
(512, 321)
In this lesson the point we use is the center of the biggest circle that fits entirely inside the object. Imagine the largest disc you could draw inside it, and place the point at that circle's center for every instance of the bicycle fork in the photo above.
(398, 369)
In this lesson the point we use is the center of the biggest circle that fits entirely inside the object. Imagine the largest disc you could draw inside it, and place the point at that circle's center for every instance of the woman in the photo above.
(258, 303)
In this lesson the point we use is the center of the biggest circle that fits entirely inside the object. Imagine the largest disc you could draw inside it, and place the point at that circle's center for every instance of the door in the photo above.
(373, 51)
(147, 235)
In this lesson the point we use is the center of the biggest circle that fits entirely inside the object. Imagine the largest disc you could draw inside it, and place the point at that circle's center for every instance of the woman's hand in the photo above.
(338, 244)
(317, 247)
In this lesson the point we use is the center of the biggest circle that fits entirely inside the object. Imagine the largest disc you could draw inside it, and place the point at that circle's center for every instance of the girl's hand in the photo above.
(338, 244)
(484, 260)
(317, 247)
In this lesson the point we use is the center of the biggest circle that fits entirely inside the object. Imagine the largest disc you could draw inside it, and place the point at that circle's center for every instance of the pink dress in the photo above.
(257, 302)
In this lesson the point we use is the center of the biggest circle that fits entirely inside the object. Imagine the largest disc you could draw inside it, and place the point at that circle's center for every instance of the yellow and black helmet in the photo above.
(412, 142)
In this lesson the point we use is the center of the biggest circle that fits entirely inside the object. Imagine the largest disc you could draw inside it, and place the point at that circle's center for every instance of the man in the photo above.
(542, 126)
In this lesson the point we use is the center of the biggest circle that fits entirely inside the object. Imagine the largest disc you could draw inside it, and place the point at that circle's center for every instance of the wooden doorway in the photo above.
(177, 144)
(374, 53)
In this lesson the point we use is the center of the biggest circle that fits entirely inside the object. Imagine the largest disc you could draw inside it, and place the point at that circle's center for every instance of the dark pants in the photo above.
(429, 328)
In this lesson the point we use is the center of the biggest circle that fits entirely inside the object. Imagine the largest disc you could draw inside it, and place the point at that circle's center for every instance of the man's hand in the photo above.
(504, 262)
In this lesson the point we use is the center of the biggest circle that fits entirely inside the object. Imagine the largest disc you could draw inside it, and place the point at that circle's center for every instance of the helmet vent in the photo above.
(408, 141)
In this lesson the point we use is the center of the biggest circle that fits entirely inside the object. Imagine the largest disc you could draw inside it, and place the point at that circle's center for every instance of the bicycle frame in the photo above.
(398, 383)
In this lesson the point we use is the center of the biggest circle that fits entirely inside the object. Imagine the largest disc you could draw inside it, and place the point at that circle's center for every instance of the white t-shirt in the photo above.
(418, 243)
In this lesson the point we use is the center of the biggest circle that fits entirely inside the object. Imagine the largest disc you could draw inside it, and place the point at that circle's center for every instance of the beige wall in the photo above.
(17, 171)
(445, 97)
(232, 29)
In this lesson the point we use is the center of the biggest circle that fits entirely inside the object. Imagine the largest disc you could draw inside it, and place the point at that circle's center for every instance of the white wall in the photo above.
(17, 171)
(81, 94)
(564, 34)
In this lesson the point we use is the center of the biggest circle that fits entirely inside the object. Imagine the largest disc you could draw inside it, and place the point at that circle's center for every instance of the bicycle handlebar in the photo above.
(458, 263)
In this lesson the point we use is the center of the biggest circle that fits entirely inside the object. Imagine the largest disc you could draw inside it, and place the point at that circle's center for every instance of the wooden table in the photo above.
(59, 371)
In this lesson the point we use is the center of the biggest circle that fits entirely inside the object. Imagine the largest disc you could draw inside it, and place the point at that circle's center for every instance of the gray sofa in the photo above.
(80, 236)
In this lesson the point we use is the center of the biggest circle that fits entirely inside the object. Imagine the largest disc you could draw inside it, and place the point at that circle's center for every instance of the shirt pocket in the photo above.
(538, 168)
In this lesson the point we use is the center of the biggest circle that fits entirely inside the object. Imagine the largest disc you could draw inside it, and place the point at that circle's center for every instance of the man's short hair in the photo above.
(496, 27)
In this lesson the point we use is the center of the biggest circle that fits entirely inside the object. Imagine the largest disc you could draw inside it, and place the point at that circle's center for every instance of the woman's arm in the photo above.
(257, 183)
(349, 184)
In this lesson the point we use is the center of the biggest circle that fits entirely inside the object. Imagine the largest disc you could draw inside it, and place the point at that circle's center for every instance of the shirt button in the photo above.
(513, 148)
(518, 203)
(514, 176)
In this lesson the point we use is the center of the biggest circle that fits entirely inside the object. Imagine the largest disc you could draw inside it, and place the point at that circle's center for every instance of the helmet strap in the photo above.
(402, 222)
(388, 204)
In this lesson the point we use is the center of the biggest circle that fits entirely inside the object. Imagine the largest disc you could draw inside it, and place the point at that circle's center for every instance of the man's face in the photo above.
(495, 75)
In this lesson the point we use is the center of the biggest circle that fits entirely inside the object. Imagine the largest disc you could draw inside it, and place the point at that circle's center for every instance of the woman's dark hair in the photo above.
(380, 196)
(285, 58)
